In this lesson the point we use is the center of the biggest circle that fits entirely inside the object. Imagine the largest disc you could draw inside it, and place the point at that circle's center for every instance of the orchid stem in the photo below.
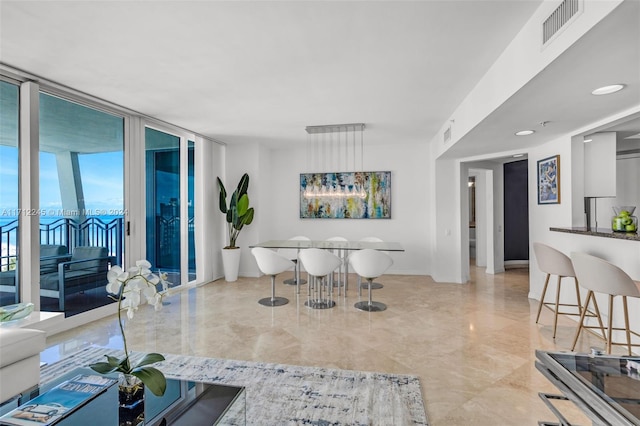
(124, 338)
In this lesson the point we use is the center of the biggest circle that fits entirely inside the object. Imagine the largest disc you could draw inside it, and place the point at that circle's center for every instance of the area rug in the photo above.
(279, 394)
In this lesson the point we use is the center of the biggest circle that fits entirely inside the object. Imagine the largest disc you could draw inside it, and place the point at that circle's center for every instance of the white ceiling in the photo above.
(261, 71)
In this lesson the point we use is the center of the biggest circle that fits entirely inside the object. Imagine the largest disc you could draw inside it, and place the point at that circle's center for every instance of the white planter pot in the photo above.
(231, 263)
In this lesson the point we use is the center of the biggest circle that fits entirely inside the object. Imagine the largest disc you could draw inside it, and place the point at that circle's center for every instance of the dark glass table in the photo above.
(184, 403)
(605, 387)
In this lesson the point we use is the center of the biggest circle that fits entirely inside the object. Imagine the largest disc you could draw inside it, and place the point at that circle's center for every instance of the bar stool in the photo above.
(374, 286)
(293, 255)
(598, 275)
(271, 263)
(370, 264)
(343, 268)
(318, 264)
(554, 262)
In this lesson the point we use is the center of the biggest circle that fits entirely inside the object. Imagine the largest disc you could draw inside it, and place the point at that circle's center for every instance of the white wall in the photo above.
(624, 254)
(410, 212)
(240, 159)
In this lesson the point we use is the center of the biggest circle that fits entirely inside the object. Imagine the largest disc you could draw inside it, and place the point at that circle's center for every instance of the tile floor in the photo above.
(472, 345)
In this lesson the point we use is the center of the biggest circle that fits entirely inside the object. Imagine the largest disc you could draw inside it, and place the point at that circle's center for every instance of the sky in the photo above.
(102, 182)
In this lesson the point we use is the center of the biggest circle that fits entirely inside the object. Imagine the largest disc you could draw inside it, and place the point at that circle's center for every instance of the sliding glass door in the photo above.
(170, 224)
(81, 203)
(9, 213)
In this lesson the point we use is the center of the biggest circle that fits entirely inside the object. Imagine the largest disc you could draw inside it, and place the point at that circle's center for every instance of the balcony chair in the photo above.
(86, 269)
(50, 256)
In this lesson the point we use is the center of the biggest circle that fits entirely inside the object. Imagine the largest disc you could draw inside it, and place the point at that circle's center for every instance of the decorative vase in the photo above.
(131, 398)
(231, 263)
(624, 221)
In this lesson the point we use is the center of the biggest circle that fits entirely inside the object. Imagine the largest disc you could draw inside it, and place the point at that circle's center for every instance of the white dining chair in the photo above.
(319, 264)
(342, 269)
(599, 276)
(374, 285)
(370, 264)
(271, 263)
(292, 254)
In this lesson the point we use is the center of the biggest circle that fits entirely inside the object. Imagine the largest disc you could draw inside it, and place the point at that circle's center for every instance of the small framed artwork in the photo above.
(549, 180)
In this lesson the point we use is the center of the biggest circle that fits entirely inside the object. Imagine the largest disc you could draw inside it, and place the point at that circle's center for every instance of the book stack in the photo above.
(59, 402)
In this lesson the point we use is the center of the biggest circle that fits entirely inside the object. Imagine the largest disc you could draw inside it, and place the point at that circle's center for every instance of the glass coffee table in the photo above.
(184, 403)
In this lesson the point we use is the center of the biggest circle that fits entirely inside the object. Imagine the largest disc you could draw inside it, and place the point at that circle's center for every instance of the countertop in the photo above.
(600, 232)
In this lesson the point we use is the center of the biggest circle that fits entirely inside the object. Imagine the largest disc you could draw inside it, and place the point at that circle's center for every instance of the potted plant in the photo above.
(237, 214)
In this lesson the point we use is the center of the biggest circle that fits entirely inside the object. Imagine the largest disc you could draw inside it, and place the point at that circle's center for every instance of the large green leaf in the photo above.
(112, 364)
(223, 196)
(152, 379)
(248, 217)
(243, 185)
(150, 359)
(102, 367)
(243, 205)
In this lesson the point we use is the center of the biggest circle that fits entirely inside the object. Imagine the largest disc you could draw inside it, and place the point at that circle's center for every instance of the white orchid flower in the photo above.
(116, 278)
(157, 304)
(150, 294)
(135, 283)
(163, 280)
(144, 266)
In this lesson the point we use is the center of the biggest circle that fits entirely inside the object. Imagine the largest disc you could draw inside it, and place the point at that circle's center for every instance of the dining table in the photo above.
(342, 247)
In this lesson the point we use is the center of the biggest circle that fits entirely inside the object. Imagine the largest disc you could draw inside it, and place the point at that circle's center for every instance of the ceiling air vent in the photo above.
(563, 14)
(447, 135)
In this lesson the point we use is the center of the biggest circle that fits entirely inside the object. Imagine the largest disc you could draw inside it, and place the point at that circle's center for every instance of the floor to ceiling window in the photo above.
(81, 200)
(80, 217)
(9, 213)
(169, 242)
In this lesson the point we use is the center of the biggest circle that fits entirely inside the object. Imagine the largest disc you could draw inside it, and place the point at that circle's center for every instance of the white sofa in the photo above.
(19, 360)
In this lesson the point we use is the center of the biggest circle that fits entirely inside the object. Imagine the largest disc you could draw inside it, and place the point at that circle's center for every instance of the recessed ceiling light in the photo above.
(524, 132)
(518, 155)
(606, 90)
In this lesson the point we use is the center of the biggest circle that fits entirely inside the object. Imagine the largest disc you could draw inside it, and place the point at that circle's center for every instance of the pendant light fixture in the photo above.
(333, 146)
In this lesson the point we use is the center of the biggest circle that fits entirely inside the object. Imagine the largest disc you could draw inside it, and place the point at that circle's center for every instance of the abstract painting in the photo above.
(549, 180)
(345, 195)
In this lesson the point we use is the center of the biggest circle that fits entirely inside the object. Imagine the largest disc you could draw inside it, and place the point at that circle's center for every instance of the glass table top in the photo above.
(328, 245)
(184, 403)
(614, 379)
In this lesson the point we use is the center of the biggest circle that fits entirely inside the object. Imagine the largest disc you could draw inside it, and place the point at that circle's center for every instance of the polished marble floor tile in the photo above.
(472, 345)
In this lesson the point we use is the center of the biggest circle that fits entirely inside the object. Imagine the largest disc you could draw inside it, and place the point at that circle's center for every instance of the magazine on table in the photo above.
(55, 404)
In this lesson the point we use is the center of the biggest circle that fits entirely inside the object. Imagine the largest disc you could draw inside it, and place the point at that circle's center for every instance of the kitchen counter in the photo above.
(600, 232)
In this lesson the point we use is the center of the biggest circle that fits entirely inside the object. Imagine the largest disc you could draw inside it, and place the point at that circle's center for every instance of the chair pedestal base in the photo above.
(370, 306)
(319, 304)
(292, 281)
(374, 286)
(275, 301)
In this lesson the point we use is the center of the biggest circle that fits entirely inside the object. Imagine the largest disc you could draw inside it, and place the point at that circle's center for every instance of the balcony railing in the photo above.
(93, 231)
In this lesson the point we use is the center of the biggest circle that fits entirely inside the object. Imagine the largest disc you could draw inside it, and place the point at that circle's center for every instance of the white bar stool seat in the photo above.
(554, 262)
(370, 264)
(599, 276)
(271, 263)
